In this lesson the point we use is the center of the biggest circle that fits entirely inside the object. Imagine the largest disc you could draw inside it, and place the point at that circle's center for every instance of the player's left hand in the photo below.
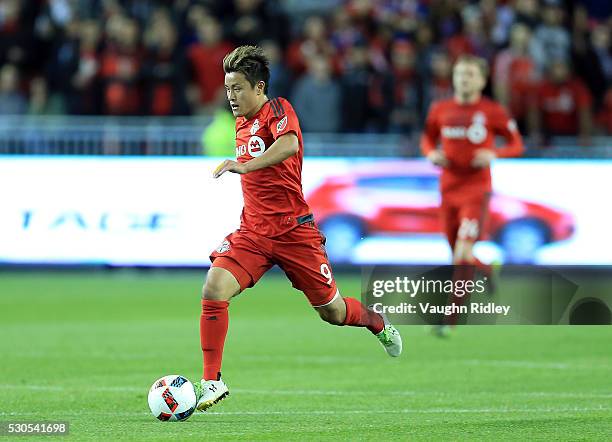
(229, 166)
(483, 158)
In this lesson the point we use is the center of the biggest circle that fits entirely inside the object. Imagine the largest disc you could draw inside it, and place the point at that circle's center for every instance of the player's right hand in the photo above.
(229, 166)
(438, 158)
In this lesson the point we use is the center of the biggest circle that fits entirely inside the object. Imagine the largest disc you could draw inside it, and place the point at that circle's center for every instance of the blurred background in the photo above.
(113, 113)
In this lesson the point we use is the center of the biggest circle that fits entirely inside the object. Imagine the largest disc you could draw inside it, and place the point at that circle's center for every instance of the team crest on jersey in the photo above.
(477, 132)
(255, 127)
(256, 146)
(479, 118)
(224, 247)
(281, 125)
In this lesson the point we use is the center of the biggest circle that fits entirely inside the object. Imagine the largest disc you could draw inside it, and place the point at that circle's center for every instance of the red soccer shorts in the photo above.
(465, 221)
(300, 253)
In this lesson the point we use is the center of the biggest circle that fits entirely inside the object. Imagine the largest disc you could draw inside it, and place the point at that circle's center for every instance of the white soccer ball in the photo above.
(172, 398)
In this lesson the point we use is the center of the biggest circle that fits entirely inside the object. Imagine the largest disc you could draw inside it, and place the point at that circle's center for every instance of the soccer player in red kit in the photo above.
(459, 137)
(277, 226)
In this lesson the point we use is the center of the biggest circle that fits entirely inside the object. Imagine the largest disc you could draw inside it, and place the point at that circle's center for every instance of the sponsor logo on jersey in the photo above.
(224, 247)
(476, 132)
(281, 125)
(479, 118)
(256, 146)
(454, 132)
(241, 150)
(255, 127)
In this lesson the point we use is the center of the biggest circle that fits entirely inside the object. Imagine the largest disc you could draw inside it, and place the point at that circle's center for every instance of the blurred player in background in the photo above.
(277, 226)
(459, 137)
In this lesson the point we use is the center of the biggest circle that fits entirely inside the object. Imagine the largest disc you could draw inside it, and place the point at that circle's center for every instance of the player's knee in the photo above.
(216, 290)
(462, 252)
(334, 316)
(457, 259)
(220, 285)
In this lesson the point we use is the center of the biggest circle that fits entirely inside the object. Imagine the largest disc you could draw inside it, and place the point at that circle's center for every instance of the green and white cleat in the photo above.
(209, 393)
(390, 338)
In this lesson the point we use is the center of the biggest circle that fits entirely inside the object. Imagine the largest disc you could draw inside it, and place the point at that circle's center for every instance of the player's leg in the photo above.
(221, 285)
(449, 216)
(351, 312)
(346, 311)
(471, 220)
(450, 223)
(225, 279)
(301, 254)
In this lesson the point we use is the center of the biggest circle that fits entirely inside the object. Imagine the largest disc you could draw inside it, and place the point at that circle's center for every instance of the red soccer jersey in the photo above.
(273, 197)
(463, 129)
(560, 104)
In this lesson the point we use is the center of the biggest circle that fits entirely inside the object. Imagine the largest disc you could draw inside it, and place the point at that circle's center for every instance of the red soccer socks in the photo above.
(213, 329)
(357, 315)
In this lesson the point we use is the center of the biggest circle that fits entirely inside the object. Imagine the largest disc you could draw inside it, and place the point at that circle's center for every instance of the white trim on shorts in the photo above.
(332, 300)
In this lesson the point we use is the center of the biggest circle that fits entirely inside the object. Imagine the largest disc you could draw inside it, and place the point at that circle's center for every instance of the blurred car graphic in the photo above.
(398, 198)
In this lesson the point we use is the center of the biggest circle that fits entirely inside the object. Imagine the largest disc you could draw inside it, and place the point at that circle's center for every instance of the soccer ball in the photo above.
(172, 398)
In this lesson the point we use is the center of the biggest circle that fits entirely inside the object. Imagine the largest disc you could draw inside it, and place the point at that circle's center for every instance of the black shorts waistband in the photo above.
(305, 218)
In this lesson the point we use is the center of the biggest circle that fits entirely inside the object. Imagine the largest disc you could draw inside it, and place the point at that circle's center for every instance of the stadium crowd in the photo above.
(349, 66)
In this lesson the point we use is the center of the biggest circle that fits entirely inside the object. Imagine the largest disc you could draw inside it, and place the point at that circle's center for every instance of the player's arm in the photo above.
(514, 146)
(430, 137)
(506, 127)
(284, 147)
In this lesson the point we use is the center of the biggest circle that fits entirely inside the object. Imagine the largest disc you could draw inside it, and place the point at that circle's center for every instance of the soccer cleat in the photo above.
(209, 393)
(390, 338)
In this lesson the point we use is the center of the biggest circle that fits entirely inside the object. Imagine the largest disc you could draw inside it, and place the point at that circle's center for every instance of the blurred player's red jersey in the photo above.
(462, 130)
(273, 197)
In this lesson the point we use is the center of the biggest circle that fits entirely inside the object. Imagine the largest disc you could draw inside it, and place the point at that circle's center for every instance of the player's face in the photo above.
(468, 78)
(243, 97)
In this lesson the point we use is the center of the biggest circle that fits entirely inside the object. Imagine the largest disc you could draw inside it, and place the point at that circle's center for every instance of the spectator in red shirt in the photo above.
(604, 118)
(404, 115)
(164, 69)
(515, 74)
(562, 106)
(121, 64)
(313, 43)
(206, 58)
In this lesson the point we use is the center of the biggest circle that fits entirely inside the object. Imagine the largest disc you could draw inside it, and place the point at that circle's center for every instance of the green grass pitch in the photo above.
(85, 347)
